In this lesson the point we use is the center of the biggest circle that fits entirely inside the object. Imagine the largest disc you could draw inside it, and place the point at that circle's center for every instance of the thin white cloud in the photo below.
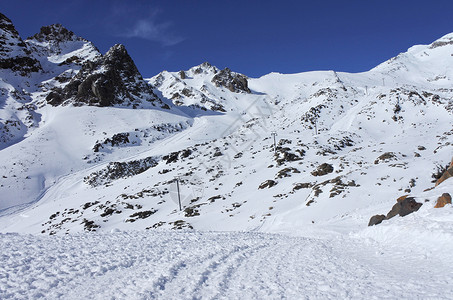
(142, 21)
(149, 30)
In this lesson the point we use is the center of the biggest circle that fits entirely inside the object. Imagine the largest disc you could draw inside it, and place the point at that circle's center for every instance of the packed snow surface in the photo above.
(218, 265)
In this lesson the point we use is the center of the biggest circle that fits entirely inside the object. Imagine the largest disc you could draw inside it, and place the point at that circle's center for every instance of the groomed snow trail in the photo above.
(209, 265)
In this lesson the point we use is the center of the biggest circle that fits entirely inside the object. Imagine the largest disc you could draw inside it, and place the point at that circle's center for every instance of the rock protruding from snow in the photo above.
(107, 81)
(443, 200)
(235, 82)
(447, 174)
(404, 206)
(14, 53)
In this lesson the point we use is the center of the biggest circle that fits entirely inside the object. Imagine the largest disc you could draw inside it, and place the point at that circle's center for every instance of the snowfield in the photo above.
(219, 265)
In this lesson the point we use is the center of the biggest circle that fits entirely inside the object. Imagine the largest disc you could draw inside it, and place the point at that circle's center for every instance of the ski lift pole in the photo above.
(179, 195)
(274, 134)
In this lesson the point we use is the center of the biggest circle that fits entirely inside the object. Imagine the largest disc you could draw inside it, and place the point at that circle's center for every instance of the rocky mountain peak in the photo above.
(14, 53)
(55, 33)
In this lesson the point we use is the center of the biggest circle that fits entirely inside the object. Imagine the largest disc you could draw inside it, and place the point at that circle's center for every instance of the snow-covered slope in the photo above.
(96, 147)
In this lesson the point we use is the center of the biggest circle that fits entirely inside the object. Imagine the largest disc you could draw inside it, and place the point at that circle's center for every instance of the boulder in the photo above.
(443, 200)
(377, 219)
(405, 205)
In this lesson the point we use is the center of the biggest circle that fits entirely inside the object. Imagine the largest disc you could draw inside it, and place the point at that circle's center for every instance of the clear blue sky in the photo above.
(251, 37)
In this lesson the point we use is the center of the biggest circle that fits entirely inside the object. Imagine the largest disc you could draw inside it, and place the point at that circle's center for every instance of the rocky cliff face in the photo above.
(14, 53)
(235, 82)
(112, 79)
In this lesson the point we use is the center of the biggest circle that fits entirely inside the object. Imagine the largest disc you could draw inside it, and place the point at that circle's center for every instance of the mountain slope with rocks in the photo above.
(92, 146)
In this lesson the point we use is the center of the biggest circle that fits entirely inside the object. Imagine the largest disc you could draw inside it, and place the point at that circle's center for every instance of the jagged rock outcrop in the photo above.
(14, 53)
(112, 79)
(235, 82)
(54, 34)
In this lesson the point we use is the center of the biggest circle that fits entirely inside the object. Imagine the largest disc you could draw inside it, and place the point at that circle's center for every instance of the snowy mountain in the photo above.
(293, 166)
(89, 145)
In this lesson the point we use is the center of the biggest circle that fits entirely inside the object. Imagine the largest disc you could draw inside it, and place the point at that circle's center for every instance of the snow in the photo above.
(216, 265)
(303, 237)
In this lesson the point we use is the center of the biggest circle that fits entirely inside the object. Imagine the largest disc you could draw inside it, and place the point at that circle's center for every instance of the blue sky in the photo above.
(251, 37)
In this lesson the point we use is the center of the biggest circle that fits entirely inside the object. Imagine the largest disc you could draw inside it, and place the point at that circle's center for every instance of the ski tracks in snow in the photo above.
(209, 265)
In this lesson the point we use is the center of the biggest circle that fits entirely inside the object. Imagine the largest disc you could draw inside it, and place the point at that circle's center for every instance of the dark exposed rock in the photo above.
(109, 80)
(323, 169)
(267, 184)
(377, 219)
(284, 154)
(233, 81)
(116, 170)
(116, 140)
(141, 215)
(54, 33)
(286, 172)
(386, 157)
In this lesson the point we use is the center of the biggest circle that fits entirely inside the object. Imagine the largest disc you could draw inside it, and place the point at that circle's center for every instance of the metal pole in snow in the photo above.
(316, 126)
(179, 196)
(274, 134)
